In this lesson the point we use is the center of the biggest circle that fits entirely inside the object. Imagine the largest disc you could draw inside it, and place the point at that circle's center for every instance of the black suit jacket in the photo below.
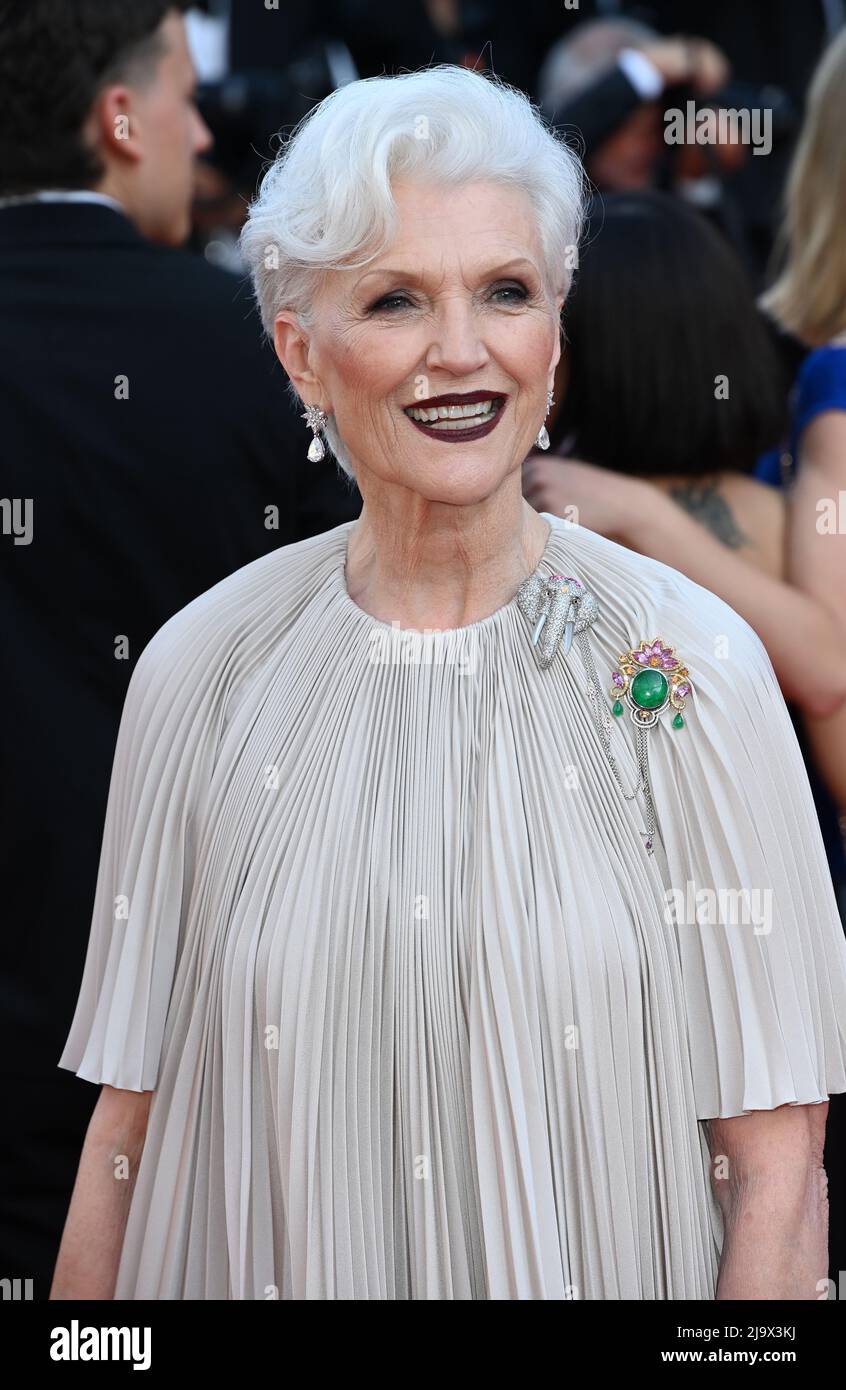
(151, 431)
(138, 505)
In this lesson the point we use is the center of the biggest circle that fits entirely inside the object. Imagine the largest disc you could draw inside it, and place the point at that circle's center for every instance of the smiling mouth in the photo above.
(468, 420)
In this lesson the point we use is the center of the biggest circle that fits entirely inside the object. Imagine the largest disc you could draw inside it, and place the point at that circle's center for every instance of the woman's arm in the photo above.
(768, 1177)
(802, 639)
(816, 563)
(827, 742)
(89, 1254)
(816, 526)
(804, 643)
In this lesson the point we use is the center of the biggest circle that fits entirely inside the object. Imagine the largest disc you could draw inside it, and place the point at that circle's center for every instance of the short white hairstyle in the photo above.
(325, 203)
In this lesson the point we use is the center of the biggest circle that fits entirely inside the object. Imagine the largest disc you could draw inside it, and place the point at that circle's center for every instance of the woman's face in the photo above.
(455, 306)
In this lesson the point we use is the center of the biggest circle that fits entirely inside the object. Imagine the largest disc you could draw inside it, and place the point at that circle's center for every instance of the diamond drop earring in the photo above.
(542, 441)
(316, 420)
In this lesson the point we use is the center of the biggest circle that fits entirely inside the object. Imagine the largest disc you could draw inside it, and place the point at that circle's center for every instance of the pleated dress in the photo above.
(376, 924)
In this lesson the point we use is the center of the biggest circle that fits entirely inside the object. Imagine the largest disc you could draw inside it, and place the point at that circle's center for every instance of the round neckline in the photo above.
(479, 625)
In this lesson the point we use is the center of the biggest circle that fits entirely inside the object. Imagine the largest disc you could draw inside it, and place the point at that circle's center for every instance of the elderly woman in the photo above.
(460, 882)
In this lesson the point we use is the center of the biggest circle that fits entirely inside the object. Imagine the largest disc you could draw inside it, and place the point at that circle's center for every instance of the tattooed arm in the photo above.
(643, 517)
(706, 504)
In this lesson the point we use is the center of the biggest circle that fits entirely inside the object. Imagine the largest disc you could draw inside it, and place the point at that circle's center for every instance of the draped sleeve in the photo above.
(750, 903)
(161, 767)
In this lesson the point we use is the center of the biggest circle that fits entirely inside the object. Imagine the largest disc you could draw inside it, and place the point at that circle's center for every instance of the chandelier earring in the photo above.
(542, 441)
(316, 420)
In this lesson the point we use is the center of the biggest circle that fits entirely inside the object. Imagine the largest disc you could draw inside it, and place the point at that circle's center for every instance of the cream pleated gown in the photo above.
(376, 924)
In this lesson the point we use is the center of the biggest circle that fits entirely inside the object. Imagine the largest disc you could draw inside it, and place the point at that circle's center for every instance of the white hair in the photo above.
(325, 203)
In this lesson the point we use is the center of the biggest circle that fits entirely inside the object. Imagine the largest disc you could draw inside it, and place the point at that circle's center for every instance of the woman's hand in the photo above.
(583, 494)
(692, 60)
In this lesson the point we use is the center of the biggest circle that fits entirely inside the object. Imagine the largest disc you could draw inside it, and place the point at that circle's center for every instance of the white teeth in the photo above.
(452, 416)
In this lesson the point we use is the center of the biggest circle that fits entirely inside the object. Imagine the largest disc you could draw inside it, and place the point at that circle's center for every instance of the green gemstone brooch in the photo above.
(650, 678)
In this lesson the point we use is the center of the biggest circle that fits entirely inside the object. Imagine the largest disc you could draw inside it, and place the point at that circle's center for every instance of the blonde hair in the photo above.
(809, 296)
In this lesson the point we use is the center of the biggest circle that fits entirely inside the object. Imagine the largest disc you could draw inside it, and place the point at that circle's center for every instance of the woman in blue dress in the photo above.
(808, 301)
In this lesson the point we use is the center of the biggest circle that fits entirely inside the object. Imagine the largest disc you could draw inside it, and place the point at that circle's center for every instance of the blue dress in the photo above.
(820, 385)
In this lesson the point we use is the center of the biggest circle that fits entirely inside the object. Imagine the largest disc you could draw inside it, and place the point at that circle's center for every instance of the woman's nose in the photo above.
(457, 345)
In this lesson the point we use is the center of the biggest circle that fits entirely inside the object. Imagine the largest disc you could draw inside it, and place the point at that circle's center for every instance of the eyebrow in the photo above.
(413, 277)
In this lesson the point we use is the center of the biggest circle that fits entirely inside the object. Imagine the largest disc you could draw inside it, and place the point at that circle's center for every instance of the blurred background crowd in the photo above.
(150, 446)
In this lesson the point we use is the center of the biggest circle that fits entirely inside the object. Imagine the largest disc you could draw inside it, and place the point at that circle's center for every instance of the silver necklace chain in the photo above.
(602, 720)
(560, 609)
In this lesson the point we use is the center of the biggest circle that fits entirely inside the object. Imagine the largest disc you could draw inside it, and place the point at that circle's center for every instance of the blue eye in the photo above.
(518, 290)
(389, 303)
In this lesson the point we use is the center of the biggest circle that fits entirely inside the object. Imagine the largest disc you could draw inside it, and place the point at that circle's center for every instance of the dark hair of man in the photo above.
(55, 56)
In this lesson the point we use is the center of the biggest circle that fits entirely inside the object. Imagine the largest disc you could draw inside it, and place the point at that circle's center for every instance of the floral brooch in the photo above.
(650, 678)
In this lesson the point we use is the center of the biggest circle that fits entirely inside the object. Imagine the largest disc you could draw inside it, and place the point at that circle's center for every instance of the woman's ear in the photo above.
(559, 343)
(562, 371)
(292, 349)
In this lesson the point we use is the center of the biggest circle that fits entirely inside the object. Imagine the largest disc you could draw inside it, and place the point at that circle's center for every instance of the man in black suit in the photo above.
(148, 450)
